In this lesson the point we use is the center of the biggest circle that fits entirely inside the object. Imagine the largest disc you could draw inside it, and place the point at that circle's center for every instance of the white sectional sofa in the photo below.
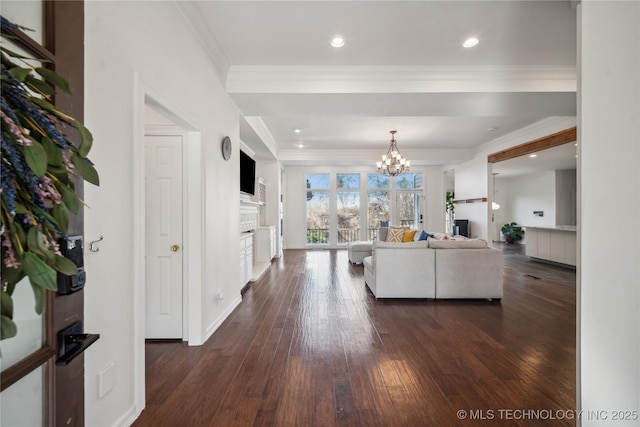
(437, 269)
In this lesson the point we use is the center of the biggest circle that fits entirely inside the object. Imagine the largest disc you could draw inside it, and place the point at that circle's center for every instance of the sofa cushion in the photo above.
(399, 245)
(408, 236)
(395, 235)
(457, 244)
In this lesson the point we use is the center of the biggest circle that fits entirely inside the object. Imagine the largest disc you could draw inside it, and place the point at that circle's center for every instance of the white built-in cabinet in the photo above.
(265, 243)
(246, 258)
(557, 244)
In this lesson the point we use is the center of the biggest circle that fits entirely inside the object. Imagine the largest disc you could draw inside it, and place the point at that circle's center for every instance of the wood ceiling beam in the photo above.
(549, 141)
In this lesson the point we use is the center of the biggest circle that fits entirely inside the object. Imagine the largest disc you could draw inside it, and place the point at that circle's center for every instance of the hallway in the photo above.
(310, 346)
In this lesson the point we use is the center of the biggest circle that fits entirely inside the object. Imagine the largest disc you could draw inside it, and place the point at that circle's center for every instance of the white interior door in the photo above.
(163, 236)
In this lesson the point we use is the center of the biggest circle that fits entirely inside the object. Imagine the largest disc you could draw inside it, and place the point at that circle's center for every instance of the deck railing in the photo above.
(345, 235)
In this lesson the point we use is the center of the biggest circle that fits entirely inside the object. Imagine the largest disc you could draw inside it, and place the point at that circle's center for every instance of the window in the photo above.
(409, 189)
(336, 212)
(378, 203)
(348, 207)
(318, 208)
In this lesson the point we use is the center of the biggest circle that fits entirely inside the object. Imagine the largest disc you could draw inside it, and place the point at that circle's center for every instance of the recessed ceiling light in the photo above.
(337, 41)
(470, 42)
(533, 155)
(300, 145)
(297, 130)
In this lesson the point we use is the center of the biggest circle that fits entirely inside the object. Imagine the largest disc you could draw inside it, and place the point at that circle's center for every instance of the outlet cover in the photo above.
(106, 380)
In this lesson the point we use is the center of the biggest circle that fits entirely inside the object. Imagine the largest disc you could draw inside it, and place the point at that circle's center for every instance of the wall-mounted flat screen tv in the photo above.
(247, 173)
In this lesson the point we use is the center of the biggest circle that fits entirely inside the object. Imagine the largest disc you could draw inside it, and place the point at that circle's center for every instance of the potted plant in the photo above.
(512, 232)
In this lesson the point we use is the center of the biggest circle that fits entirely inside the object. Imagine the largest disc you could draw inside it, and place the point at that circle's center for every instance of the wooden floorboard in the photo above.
(310, 346)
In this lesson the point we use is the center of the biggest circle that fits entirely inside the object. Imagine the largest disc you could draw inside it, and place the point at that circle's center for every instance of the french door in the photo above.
(34, 390)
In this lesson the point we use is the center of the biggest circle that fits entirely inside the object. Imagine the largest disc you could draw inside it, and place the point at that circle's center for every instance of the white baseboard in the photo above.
(215, 325)
(128, 417)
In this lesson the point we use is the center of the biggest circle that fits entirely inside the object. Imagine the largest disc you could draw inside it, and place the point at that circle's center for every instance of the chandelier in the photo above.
(393, 163)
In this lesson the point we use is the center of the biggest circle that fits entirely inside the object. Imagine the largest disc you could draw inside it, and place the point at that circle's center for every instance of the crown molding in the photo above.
(379, 79)
(208, 43)
(262, 131)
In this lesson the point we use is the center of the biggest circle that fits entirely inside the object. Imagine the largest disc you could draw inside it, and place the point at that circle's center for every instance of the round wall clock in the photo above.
(226, 148)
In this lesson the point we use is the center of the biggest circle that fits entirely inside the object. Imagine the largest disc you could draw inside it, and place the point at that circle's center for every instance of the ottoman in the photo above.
(357, 251)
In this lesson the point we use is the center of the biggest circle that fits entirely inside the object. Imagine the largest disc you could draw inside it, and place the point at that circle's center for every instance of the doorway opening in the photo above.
(151, 107)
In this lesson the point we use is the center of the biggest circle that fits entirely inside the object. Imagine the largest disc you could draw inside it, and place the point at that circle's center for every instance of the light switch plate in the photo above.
(106, 380)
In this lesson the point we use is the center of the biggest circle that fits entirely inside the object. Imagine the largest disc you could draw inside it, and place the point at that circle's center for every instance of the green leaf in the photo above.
(12, 276)
(20, 209)
(86, 139)
(6, 305)
(86, 169)
(36, 245)
(20, 73)
(60, 172)
(61, 216)
(39, 273)
(69, 197)
(39, 86)
(36, 157)
(44, 104)
(8, 329)
(38, 294)
(19, 55)
(17, 235)
(54, 78)
(45, 214)
(66, 266)
(54, 155)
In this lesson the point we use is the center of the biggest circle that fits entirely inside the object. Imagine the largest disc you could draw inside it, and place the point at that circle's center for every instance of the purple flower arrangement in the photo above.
(38, 174)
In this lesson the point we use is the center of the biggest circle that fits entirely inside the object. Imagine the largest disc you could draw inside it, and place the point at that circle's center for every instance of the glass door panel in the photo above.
(30, 335)
(22, 404)
(408, 208)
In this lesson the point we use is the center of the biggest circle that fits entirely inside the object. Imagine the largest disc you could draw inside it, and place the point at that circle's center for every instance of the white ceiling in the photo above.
(402, 67)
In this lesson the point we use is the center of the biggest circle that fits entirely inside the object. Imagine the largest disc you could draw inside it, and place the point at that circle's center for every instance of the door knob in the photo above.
(175, 248)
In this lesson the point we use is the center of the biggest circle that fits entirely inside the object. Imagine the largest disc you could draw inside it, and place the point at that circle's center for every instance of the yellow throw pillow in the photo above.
(395, 235)
(408, 236)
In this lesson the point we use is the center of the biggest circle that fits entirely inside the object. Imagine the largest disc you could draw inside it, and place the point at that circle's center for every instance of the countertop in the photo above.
(556, 227)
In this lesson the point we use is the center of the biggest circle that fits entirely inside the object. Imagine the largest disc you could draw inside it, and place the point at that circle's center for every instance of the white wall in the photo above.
(608, 167)
(472, 182)
(566, 197)
(435, 199)
(269, 171)
(548, 191)
(131, 46)
(474, 179)
(528, 193)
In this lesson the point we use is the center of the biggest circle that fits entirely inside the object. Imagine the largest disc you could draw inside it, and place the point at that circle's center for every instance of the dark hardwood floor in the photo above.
(310, 346)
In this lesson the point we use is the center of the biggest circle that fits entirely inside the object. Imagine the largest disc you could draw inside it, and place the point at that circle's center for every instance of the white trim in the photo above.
(345, 157)
(128, 418)
(397, 79)
(216, 324)
(195, 234)
(193, 221)
(139, 273)
(260, 128)
(208, 43)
